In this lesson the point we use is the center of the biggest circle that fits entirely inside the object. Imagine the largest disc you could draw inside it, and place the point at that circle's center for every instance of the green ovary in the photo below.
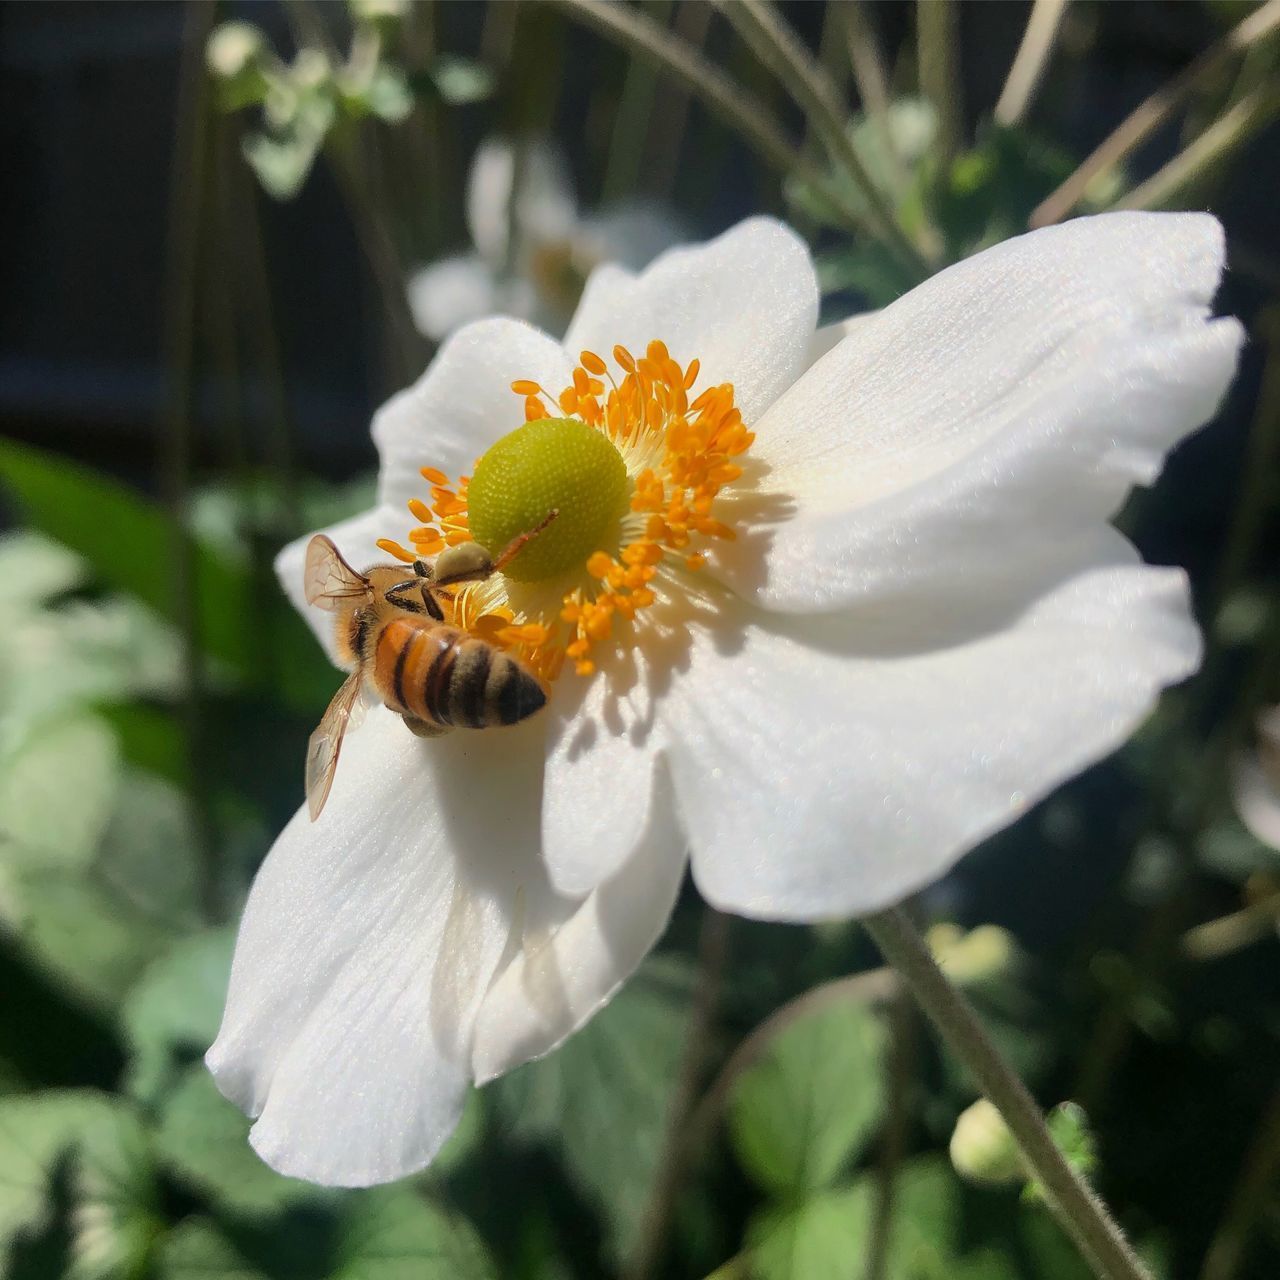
(551, 464)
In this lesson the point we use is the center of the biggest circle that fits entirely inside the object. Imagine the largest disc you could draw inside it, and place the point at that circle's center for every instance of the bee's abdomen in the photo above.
(442, 675)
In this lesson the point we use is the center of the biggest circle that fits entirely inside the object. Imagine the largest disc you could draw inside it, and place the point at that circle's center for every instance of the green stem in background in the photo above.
(1257, 477)
(1082, 1214)
(1154, 111)
(777, 47)
(1030, 61)
(900, 1070)
(938, 46)
(726, 99)
(1249, 1199)
(1225, 135)
(671, 109)
(623, 169)
(1215, 939)
(655, 1223)
(188, 192)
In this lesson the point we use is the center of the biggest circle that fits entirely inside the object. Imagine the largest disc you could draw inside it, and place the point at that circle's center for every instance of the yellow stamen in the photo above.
(679, 454)
(395, 549)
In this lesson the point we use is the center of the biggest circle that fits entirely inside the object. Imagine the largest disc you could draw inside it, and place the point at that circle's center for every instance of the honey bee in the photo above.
(433, 675)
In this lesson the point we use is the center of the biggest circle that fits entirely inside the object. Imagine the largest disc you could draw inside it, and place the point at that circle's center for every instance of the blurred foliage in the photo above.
(156, 692)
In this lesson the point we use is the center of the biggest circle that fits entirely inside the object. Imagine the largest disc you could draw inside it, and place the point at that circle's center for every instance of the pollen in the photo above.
(634, 469)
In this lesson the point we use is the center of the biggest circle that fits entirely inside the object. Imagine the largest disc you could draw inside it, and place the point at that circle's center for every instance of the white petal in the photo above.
(356, 539)
(830, 767)
(630, 234)
(450, 293)
(1257, 799)
(831, 335)
(560, 979)
(600, 766)
(545, 207)
(745, 305)
(367, 946)
(462, 404)
(973, 431)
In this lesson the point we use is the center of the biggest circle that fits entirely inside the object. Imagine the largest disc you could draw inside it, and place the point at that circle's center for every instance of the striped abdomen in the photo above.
(449, 679)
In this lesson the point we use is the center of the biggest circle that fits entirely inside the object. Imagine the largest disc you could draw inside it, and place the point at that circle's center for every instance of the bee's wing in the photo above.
(328, 579)
(343, 713)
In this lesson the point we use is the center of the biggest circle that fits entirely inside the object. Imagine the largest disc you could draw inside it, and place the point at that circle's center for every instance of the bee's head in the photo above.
(467, 562)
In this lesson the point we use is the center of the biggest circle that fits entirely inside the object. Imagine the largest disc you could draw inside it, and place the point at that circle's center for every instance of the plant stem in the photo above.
(937, 40)
(723, 96)
(776, 45)
(1217, 938)
(1030, 61)
(1258, 474)
(188, 194)
(1155, 110)
(1228, 132)
(899, 1068)
(655, 1224)
(874, 986)
(1249, 1199)
(1081, 1212)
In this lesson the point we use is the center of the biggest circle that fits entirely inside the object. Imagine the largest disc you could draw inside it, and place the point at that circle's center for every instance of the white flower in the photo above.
(923, 624)
(1256, 781)
(555, 249)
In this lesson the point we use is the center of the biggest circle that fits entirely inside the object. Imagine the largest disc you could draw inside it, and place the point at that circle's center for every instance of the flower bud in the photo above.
(233, 47)
(982, 1148)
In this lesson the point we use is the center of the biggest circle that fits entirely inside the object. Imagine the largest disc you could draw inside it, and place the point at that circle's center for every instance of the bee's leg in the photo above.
(421, 729)
(512, 549)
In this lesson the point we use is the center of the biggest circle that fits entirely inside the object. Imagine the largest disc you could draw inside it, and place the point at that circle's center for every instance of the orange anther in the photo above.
(624, 358)
(433, 476)
(591, 362)
(395, 549)
(524, 387)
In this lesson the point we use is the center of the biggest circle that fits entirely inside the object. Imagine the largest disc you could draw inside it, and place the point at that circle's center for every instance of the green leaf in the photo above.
(57, 795)
(807, 1107)
(282, 164)
(202, 1140)
(828, 1235)
(85, 937)
(460, 81)
(113, 1199)
(74, 505)
(173, 1012)
(388, 95)
(197, 1250)
(145, 859)
(391, 1233)
(824, 1238)
(601, 1100)
(394, 1233)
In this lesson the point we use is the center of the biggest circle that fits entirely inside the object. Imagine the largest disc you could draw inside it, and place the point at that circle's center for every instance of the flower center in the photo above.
(635, 473)
(550, 464)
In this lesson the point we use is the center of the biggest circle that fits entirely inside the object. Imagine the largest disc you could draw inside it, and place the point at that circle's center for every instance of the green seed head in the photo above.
(552, 464)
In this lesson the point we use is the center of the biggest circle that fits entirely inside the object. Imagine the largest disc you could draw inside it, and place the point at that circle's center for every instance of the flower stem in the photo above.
(937, 39)
(1155, 110)
(1248, 1200)
(726, 99)
(655, 1223)
(1225, 135)
(776, 45)
(1081, 1212)
(1030, 61)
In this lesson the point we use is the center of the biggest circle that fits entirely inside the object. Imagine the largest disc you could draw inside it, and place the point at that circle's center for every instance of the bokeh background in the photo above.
(214, 240)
